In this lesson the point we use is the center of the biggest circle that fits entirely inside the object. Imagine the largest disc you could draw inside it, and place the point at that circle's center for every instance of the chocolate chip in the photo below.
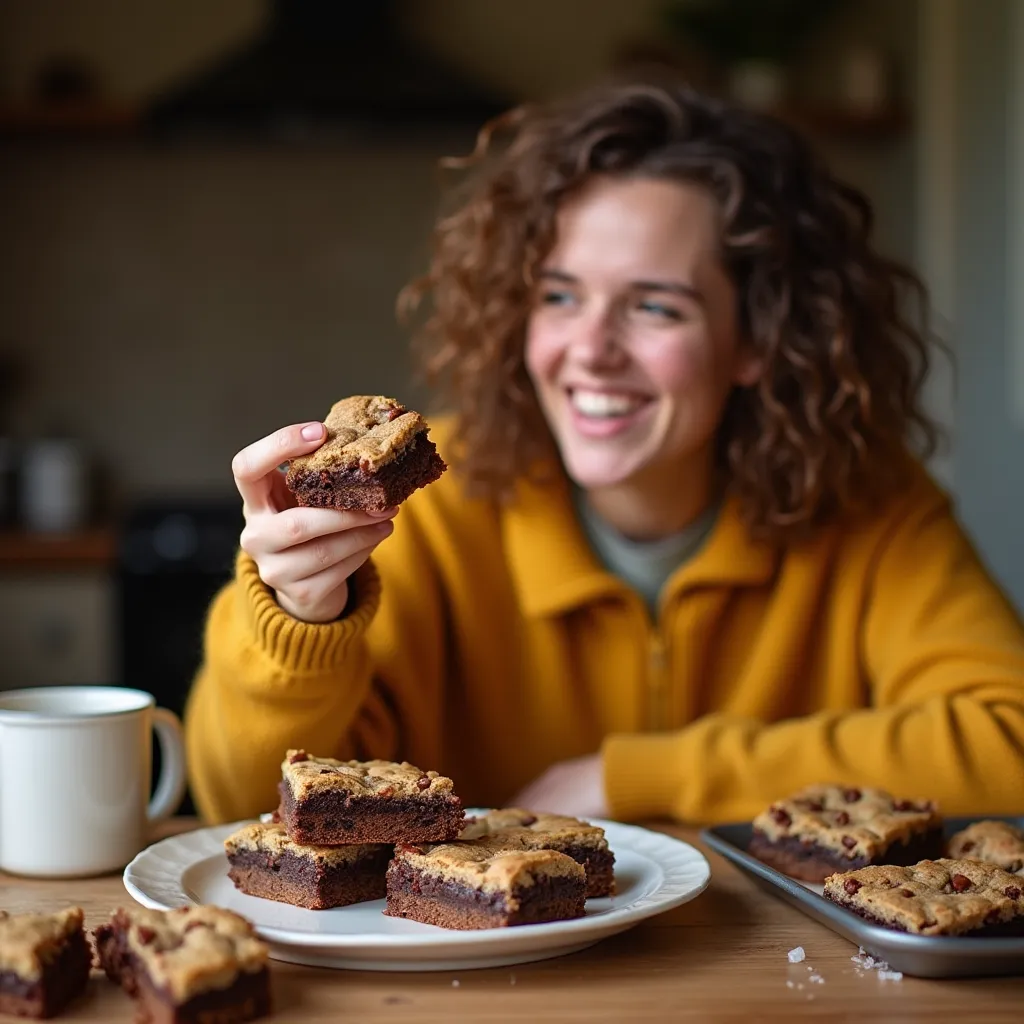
(849, 842)
(960, 883)
(781, 817)
(967, 847)
(903, 805)
(842, 818)
(851, 885)
(146, 935)
(1011, 892)
(326, 771)
(993, 916)
(906, 892)
(815, 805)
(386, 791)
(423, 782)
(528, 820)
(299, 755)
(851, 796)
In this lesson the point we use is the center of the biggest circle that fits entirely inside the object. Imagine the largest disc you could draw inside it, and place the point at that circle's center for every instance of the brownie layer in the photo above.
(303, 882)
(337, 818)
(246, 998)
(1014, 928)
(62, 980)
(599, 866)
(360, 490)
(811, 862)
(432, 899)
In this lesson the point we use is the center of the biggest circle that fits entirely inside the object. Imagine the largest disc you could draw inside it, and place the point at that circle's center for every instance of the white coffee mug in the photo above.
(75, 769)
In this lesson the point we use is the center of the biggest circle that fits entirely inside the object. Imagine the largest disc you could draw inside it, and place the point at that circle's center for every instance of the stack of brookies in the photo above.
(337, 823)
(350, 831)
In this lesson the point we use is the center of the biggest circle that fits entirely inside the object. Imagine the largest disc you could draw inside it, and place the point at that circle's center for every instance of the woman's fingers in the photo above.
(254, 466)
(301, 564)
(270, 534)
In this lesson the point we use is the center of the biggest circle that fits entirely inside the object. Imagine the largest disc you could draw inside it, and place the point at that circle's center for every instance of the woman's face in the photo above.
(632, 341)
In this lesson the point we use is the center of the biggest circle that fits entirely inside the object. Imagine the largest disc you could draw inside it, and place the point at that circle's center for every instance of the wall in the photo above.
(989, 466)
(175, 304)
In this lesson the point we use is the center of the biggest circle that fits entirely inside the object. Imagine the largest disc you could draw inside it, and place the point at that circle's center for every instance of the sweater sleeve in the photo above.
(944, 653)
(269, 682)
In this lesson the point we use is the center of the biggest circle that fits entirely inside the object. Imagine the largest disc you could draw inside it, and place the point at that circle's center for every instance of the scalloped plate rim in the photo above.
(155, 878)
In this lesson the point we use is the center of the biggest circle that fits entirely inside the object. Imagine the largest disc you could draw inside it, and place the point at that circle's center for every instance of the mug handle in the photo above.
(171, 787)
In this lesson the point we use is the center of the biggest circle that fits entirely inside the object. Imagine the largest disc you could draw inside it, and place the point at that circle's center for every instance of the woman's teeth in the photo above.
(604, 404)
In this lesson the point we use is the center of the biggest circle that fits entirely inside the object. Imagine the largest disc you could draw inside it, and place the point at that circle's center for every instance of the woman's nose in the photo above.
(597, 340)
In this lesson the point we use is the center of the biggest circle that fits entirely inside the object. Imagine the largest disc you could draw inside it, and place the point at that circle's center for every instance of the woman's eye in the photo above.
(657, 309)
(556, 298)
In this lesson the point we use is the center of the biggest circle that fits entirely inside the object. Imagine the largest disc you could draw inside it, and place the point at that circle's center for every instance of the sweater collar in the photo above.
(554, 570)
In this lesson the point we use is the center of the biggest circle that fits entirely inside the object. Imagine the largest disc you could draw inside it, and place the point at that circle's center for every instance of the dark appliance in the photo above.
(323, 67)
(173, 557)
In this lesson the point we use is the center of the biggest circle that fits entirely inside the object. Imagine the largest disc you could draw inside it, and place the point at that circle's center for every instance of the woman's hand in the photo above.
(305, 554)
(572, 787)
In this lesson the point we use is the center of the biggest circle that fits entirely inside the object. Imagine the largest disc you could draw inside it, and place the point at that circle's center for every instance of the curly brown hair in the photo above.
(842, 331)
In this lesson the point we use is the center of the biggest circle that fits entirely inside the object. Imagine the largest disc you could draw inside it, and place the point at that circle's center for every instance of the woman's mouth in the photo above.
(605, 413)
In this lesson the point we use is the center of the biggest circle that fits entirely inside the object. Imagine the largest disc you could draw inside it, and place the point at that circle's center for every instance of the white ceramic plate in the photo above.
(653, 873)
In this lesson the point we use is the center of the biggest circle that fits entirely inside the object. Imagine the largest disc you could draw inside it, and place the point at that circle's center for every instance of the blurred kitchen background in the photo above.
(207, 209)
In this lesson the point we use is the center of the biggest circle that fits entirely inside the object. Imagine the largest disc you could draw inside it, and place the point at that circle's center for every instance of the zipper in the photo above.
(657, 681)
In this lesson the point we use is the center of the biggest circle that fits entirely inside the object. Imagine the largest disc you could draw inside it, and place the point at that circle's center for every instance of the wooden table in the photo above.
(721, 957)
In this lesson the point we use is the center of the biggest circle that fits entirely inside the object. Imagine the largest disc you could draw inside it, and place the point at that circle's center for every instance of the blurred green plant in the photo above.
(735, 31)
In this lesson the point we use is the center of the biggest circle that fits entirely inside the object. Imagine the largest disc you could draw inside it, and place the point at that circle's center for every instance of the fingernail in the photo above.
(386, 514)
(312, 432)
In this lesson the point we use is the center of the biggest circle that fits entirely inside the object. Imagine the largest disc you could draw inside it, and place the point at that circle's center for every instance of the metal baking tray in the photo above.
(923, 956)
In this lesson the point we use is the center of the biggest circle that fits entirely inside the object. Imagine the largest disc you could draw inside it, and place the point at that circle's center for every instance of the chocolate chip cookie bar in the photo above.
(585, 843)
(376, 454)
(265, 862)
(828, 828)
(325, 802)
(483, 884)
(44, 962)
(191, 965)
(997, 842)
(934, 897)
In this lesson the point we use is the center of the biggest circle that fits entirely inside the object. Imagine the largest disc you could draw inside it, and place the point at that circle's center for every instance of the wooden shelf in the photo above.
(93, 548)
(88, 119)
(826, 122)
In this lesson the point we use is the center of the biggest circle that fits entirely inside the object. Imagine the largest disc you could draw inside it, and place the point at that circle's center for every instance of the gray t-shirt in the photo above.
(645, 565)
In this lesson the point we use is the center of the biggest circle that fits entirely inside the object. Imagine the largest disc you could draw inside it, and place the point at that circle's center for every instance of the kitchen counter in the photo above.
(722, 957)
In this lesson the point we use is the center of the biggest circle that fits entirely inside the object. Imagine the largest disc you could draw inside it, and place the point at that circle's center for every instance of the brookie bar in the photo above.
(44, 962)
(827, 828)
(265, 862)
(376, 454)
(325, 802)
(997, 842)
(483, 884)
(191, 965)
(585, 843)
(934, 897)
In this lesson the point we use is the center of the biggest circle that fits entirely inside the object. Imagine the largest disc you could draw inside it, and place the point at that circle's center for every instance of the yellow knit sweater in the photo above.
(488, 643)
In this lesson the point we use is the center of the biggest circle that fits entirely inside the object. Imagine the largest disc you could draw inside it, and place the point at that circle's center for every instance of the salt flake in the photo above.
(797, 955)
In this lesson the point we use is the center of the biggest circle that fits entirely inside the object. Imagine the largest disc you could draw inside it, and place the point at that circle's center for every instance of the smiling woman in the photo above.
(686, 560)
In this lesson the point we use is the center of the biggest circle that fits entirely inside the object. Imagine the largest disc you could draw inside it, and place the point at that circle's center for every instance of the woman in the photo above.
(685, 562)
